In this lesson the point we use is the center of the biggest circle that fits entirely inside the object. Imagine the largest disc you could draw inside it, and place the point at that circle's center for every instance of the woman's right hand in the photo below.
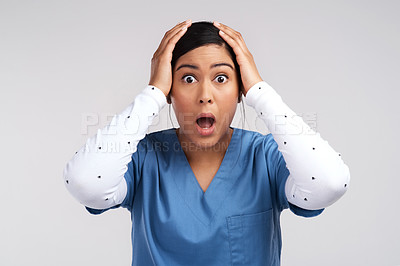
(161, 70)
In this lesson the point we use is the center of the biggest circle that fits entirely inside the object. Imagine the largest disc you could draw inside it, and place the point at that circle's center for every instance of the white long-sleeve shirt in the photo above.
(318, 176)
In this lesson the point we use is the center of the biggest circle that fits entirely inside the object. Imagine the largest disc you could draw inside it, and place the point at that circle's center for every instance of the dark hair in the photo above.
(199, 34)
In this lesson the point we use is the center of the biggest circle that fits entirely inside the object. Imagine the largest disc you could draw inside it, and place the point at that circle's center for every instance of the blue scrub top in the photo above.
(236, 221)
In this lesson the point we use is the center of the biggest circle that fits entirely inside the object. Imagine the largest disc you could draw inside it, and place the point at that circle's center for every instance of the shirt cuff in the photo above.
(157, 95)
(258, 89)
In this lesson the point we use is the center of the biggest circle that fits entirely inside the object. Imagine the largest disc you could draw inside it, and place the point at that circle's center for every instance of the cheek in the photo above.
(227, 104)
(229, 98)
(231, 107)
(181, 103)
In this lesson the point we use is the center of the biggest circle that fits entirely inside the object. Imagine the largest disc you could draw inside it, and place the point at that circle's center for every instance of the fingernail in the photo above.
(222, 32)
(187, 21)
(184, 28)
(217, 24)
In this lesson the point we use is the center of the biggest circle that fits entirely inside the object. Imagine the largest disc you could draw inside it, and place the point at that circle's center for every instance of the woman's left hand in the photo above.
(244, 58)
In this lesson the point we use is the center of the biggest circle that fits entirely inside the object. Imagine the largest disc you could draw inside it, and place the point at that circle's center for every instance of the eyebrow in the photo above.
(212, 66)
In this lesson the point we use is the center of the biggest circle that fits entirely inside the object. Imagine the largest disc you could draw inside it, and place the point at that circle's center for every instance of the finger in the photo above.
(237, 48)
(175, 29)
(170, 45)
(169, 32)
(227, 29)
(219, 25)
(172, 32)
(235, 35)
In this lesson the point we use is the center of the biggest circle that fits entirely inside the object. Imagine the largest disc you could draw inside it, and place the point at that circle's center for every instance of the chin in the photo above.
(214, 140)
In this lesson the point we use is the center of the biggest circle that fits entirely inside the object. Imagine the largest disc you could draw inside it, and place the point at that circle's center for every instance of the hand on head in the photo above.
(161, 70)
(244, 58)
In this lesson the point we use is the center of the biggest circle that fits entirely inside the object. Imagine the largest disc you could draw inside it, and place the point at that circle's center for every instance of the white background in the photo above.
(64, 61)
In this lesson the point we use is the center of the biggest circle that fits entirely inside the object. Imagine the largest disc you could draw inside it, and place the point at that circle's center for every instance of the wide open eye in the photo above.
(188, 79)
(222, 78)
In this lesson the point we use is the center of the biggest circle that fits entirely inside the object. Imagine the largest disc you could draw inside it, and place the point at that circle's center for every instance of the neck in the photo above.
(198, 154)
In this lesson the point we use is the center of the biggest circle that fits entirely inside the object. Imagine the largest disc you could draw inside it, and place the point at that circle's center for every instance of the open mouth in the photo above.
(205, 122)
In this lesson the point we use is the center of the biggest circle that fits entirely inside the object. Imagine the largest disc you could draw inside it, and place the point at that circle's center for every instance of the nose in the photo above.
(201, 101)
(205, 95)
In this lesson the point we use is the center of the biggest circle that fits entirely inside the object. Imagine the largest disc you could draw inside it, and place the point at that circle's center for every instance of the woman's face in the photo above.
(204, 94)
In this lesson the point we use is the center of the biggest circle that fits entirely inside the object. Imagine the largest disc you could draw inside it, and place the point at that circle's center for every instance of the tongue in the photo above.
(205, 122)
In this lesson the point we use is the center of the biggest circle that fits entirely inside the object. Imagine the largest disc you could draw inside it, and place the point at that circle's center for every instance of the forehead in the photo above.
(205, 56)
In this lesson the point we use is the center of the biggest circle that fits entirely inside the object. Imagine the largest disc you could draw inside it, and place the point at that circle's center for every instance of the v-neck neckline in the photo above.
(204, 204)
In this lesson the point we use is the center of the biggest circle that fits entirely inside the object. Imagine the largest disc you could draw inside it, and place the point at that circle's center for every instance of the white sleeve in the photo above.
(318, 176)
(95, 174)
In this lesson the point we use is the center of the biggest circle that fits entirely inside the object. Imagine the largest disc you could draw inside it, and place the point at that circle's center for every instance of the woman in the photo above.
(206, 193)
